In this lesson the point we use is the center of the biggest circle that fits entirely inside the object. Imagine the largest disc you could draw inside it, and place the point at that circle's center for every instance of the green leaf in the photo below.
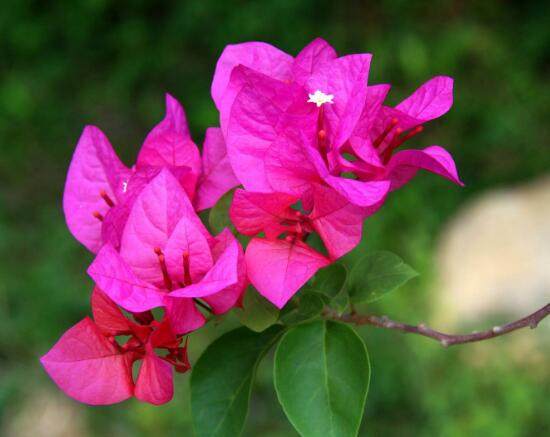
(378, 274)
(310, 305)
(218, 219)
(332, 283)
(221, 381)
(322, 374)
(257, 313)
(330, 280)
(340, 302)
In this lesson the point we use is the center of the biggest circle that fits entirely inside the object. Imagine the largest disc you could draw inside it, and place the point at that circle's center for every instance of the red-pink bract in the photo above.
(89, 365)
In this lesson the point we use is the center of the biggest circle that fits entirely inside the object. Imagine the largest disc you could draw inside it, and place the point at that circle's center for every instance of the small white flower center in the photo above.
(320, 98)
(124, 186)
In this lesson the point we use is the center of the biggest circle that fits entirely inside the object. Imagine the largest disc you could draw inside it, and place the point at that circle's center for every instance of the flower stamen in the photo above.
(408, 136)
(322, 141)
(163, 269)
(386, 131)
(397, 140)
(106, 198)
(186, 270)
(98, 215)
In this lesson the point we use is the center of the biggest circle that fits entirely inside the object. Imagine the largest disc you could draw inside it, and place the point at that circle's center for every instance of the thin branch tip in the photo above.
(445, 340)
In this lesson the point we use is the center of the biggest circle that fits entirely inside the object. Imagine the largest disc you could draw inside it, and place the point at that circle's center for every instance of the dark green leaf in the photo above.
(377, 274)
(330, 280)
(322, 374)
(310, 305)
(257, 313)
(340, 302)
(221, 381)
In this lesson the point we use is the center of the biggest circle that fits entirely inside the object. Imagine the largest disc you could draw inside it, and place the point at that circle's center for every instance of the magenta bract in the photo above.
(168, 258)
(314, 119)
(99, 190)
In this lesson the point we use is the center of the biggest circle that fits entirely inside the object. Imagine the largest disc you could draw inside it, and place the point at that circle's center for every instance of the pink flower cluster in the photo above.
(314, 149)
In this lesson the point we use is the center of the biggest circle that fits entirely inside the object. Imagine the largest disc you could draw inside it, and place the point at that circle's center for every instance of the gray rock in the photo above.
(493, 258)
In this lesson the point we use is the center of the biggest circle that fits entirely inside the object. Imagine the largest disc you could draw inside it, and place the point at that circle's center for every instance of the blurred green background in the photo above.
(64, 64)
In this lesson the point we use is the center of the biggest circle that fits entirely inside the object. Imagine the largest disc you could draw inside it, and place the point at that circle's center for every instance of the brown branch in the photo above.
(445, 340)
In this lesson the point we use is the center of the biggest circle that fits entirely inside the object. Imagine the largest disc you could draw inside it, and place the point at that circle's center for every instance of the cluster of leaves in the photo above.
(321, 367)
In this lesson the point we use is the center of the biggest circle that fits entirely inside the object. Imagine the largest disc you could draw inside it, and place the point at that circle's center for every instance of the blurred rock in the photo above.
(493, 259)
(46, 413)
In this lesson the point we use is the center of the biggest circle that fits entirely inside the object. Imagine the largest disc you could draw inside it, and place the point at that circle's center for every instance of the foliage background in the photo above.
(64, 64)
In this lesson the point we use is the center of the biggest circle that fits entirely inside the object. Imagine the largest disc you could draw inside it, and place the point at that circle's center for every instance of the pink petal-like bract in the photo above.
(258, 118)
(183, 314)
(376, 94)
(217, 174)
(169, 143)
(279, 268)
(364, 194)
(222, 275)
(311, 58)
(95, 170)
(163, 335)
(252, 213)
(404, 165)
(115, 220)
(118, 281)
(338, 222)
(346, 79)
(259, 56)
(366, 151)
(288, 167)
(107, 316)
(186, 241)
(154, 382)
(227, 298)
(88, 367)
(154, 216)
(433, 99)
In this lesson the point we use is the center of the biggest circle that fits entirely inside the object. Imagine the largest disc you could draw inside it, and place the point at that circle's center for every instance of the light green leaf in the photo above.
(218, 219)
(221, 381)
(257, 313)
(322, 374)
(378, 274)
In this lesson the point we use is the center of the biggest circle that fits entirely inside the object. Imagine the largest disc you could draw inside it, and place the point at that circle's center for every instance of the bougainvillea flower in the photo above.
(217, 176)
(273, 145)
(309, 71)
(98, 182)
(279, 267)
(317, 121)
(168, 259)
(91, 366)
